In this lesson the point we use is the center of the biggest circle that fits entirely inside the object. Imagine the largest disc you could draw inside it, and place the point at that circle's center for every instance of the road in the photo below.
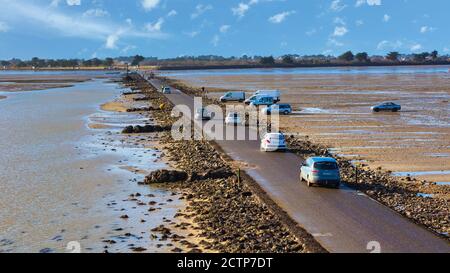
(342, 221)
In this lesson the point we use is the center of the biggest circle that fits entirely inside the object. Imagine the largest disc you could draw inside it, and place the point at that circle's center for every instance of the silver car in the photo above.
(321, 171)
(387, 107)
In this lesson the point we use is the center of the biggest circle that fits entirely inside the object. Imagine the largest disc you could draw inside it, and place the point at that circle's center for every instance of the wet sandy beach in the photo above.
(69, 175)
(34, 81)
(332, 107)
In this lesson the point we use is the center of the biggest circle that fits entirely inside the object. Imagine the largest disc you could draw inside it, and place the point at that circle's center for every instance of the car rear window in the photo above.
(325, 166)
(279, 137)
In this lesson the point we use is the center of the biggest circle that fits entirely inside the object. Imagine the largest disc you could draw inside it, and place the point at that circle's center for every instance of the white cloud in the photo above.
(4, 27)
(416, 47)
(215, 40)
(339, 21)
(334, 42)
(359, 22)
(224, 28)
(426, 29)
(112, 40)
(386, 18)
(54, 3)
(337, 6)
(95, 13)
(374, 2)
(340, 31)
(73, 2)
(172, 13)
(243, 8)
(149, 4)
(155, 27)
(280, 17)
(200, 9)
(192, 34)
(359, 3)
(392, 45)
(128, 48)
(311, 32)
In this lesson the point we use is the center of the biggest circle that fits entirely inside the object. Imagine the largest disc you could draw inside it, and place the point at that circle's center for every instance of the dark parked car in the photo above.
(387, 106)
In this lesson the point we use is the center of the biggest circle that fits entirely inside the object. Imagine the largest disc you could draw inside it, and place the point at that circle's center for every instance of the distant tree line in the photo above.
(347, 58)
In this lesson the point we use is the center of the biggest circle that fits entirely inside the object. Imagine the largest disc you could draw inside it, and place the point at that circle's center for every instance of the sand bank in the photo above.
(19, 83)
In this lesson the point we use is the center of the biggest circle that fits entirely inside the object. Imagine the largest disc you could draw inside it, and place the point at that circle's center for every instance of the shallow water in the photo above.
(61, 181)
(313, 71)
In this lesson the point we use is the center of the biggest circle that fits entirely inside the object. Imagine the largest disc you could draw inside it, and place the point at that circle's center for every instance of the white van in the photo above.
(275, 94)
(233, 96)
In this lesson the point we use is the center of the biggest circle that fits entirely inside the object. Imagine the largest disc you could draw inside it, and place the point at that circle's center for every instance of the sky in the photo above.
(170, 28)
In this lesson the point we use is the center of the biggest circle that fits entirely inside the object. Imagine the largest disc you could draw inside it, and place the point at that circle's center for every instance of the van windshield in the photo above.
(325, 166)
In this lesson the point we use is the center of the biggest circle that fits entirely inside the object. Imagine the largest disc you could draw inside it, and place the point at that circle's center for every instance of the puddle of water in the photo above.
(425, 195)
(439, 155)
(422, 173)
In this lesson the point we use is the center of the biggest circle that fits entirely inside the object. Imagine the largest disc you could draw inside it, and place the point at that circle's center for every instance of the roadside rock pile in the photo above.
(165, 176)
(401, 195)
(232, 217)
(142, 109)
(138, 129)
(170, 176)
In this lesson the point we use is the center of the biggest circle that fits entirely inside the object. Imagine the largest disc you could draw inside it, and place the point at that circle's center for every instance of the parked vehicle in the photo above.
(387, 106)
(257, 97)
(261, 100)
(233, 96)
(166, 90)
(320, 171)
(275, 94)
(202, 114)
(272, 142)
(233, 119)
(283, 108)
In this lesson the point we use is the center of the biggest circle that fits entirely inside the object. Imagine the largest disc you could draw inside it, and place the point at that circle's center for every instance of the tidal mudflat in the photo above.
(68, 175)
(332, 107)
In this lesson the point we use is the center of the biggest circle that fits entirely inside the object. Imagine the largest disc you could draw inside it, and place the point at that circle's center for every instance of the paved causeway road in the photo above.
(341, 220)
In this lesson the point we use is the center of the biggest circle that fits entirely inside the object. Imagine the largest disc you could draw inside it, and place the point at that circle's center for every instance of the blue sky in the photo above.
(170, 28)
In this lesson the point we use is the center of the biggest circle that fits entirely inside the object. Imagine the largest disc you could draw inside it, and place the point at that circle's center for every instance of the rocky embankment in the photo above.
(232, 214)
(404, 195)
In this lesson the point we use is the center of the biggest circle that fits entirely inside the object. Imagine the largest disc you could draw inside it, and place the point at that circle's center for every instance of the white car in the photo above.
(272, 142)
(233, 119)
(166, 90)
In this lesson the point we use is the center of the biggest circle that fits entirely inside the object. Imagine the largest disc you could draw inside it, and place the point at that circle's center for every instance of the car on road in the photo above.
(386, 107)
(233, 96)
(321, 171)
(202, 114)
(281, 108)
(166, 90)
(272, 142)
(233, 119)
